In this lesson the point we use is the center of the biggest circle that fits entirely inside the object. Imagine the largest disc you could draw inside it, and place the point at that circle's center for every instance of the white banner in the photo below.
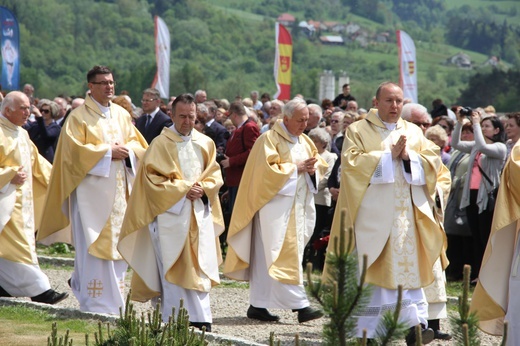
(407, 65)
(162, 56)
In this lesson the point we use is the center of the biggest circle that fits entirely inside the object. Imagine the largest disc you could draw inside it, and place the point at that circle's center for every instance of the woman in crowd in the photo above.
(447, 124)
(44, 132)
(487, 155)
(438, 135)
(512, 130)
(322, 199)
(460, 241)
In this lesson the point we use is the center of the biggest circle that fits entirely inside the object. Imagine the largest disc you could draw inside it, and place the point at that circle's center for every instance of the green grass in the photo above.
(55, 250)
(454, 289)
(241, 14)
(25, 326)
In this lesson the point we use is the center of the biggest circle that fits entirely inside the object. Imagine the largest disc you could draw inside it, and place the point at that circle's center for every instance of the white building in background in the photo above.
(327, 85)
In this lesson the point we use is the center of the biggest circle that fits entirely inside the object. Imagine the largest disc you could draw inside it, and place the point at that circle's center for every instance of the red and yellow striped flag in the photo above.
(283, 63)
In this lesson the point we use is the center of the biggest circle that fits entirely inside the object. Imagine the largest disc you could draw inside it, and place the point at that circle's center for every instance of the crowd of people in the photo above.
(166, 187)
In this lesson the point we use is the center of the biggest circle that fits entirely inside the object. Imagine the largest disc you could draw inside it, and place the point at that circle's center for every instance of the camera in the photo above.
(466, 111)
(220, 156)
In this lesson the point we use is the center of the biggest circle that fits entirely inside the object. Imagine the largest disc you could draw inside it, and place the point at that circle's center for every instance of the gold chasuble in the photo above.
(84, 140)
(268, 168)
(396, 224)
(20, 205)
(500, 263)
(164, 178)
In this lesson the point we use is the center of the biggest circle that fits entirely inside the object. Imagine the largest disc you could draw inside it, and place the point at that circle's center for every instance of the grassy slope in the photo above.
(446, 83)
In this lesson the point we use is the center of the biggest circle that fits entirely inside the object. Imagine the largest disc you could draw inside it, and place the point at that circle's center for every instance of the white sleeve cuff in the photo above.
(102, 168)
(416, 176)
(384, 172)
(289, 189)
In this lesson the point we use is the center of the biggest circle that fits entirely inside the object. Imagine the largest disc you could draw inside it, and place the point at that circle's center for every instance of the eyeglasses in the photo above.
(46, 111)
(105, 83)
(334, 121)
(148, 100)
(425, 125)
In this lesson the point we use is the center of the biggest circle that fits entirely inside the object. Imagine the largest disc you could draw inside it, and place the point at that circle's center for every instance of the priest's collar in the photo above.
(104, 110)
(389, 126)
(295, 139)
(184, 138)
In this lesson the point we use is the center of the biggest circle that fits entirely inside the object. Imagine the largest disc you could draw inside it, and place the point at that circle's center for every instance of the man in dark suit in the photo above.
(213, 129)
(153, 120)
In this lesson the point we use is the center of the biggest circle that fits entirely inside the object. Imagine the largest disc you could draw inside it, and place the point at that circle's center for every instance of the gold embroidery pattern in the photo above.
(113, 135)
(298, 154)
(402, 238)
(27, 194)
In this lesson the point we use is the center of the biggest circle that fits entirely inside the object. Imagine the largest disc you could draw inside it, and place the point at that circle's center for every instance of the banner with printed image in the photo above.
(10, 46)
(161, 80)
(407, 65)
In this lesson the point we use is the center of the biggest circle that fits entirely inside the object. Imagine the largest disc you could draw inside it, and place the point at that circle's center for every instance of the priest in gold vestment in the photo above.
(91, 179)
(274, 217)
(24, 175)
(173, 220)
(389, 189)
(496, 297)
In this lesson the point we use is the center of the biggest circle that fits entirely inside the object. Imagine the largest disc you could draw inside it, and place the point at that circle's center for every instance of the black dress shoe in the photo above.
(50, 297)
(3, 293)
(261, 314)
(308, 314)
(437, 334)
(199, 325)
(427, 335)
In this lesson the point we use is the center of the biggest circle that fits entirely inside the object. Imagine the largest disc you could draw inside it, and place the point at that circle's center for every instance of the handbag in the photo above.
(455, 219)
(492, 195)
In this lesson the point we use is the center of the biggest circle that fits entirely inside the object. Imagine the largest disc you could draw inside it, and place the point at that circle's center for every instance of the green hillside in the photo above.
(227, 46)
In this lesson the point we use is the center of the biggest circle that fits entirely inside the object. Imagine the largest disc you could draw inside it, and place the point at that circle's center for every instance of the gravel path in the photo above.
(229, 306)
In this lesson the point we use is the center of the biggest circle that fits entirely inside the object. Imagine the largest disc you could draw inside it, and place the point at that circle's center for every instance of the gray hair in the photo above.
(315, 108)
(55, 108)
(152, 91)
(201, 107)
(290, 107)
(322, 135)
(406, 112)
(198, 92)
(439, 131)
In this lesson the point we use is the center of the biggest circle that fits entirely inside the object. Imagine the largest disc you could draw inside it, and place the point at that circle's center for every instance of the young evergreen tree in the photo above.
(344, 294)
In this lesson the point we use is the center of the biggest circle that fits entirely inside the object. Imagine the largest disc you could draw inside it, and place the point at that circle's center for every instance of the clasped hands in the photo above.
(195, 192)
(399, 149)
(307, 166)
(119, 152)
(20, 177)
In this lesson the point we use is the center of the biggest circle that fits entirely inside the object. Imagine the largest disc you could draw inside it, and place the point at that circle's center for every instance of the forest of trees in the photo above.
(228, 54)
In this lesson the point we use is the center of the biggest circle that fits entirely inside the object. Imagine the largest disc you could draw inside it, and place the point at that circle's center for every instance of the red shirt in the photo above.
(238, 148)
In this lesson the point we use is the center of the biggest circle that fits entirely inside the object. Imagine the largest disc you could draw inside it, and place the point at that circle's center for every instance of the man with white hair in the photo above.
(417, 114)
(257, 104)
(200, 96)
(24, 176)
(315, 113)
(268, 233)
